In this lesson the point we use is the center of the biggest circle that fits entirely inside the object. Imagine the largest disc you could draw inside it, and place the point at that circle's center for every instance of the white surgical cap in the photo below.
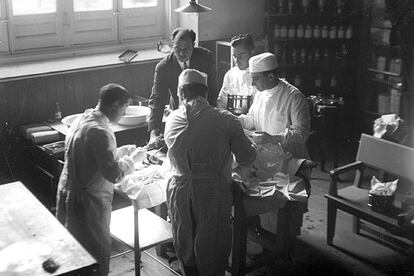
(262, 63)
(192, 76)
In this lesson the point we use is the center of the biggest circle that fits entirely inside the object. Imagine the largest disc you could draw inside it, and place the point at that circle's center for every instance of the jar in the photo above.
(283, 31)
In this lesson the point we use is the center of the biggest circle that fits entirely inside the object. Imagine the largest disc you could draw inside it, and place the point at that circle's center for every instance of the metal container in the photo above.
(238, 105)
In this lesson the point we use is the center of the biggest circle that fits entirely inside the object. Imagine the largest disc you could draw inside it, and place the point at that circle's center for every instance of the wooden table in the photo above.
(30, 235)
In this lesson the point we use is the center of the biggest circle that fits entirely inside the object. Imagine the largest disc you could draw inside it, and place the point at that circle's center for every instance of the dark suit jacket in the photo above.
(164, 89)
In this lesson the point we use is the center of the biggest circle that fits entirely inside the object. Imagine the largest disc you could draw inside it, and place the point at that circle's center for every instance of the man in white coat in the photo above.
(237, 80)
(92, 164)
(279, 110)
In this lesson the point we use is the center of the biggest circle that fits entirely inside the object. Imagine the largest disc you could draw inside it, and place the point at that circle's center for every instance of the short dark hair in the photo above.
(193, 90)
(181, 33)
(111, 93)
(242, 39)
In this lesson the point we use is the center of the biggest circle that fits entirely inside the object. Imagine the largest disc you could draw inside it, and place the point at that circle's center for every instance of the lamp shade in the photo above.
(193, 7)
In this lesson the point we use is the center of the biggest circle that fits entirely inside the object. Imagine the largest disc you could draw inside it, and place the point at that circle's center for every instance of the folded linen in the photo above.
(27, 130)
(45, 136)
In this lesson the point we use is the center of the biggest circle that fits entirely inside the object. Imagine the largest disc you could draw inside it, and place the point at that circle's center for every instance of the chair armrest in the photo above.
(334, 174)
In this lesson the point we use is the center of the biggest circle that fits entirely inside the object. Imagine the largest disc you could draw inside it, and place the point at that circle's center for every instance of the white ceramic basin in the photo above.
(135, 115)
(68, 120)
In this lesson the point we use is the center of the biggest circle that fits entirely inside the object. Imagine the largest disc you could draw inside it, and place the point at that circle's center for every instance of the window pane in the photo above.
(22, 7)
(127, 4)
(92, 5)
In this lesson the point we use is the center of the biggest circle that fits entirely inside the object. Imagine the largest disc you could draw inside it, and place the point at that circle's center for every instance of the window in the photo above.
(23, 7)
(4, 42)
(39, 24)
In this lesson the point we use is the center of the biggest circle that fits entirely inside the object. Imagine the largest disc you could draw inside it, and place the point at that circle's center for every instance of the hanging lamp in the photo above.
(193, 7)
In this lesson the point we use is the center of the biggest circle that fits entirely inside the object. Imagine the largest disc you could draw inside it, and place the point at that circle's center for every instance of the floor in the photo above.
(351, 254)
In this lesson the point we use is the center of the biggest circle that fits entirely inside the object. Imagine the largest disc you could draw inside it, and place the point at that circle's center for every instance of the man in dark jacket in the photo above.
(164, 90)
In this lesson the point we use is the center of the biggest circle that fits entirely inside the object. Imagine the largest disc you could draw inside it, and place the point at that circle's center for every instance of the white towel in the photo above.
(45, 136)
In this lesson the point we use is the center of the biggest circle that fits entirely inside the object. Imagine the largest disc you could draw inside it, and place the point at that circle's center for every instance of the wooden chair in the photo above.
(139, 229)
(391, 158)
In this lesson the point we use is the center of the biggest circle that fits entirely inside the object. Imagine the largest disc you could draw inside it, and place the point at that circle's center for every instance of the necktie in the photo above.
(185, 65)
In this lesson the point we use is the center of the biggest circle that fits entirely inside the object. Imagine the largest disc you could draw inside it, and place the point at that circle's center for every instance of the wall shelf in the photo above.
(384, 72)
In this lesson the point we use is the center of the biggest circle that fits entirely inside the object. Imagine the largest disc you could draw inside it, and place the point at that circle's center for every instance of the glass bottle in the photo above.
(303, 55)
(308, 31)
(305, 5)
(325, 31)
(332, 32)
(283, 31)
(276, 31)
(316, 31)
(341, 33)
(300, 32)
(348, 33)
(321, 6)
(294, 56)
(58, 112)
(290, 6)
(318, 80)
(316, 55)
(297, 80)
(292, 31)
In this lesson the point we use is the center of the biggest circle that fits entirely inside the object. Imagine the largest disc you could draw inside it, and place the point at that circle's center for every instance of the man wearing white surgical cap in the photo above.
(201, 140)
(279, 109)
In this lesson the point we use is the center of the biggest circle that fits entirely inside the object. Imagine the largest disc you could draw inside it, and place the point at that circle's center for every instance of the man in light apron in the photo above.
(201, 140)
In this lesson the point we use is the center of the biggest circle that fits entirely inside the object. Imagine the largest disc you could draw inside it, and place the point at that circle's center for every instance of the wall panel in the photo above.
(33, 100)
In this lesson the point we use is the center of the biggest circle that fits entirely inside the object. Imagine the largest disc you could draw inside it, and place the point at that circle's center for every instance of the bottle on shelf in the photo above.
(294, 56)
(308, 31)
(318, 81)
(292, 31)
(332, 32)
(341, 32)
(305, 5)
(316, 55)
(303, 56)
(276, 31)
(283, 31)
(325, 56)
(58, 112)
(316, 31)
(332, 81)
(321, 6)
(300, 32)
(339, 7)
(281, 8)
(297, 80)
(290, 6)
(324, 31)
(348, 33)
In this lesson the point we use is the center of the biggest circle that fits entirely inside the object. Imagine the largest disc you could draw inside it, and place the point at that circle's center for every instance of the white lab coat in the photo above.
(235, 82)
(282, 110)
(85, 190)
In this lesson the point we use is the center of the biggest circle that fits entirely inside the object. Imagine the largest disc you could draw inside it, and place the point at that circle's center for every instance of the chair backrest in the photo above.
(390, 157)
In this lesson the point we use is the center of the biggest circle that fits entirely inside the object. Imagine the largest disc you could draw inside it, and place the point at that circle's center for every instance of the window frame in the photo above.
(69, 43)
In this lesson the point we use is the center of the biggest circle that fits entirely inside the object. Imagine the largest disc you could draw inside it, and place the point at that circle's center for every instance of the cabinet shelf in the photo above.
(311, 15)
(311, 40)
(384, 72)
(377, 26)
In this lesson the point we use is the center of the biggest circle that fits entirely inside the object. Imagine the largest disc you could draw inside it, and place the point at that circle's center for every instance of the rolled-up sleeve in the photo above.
(159, 96)
(104, 149)
(299, 130)
(222, 97)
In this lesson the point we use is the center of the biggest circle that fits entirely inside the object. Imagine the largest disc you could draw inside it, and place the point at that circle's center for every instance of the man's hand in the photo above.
(156, 140)
(125, 150)
(138, 155)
